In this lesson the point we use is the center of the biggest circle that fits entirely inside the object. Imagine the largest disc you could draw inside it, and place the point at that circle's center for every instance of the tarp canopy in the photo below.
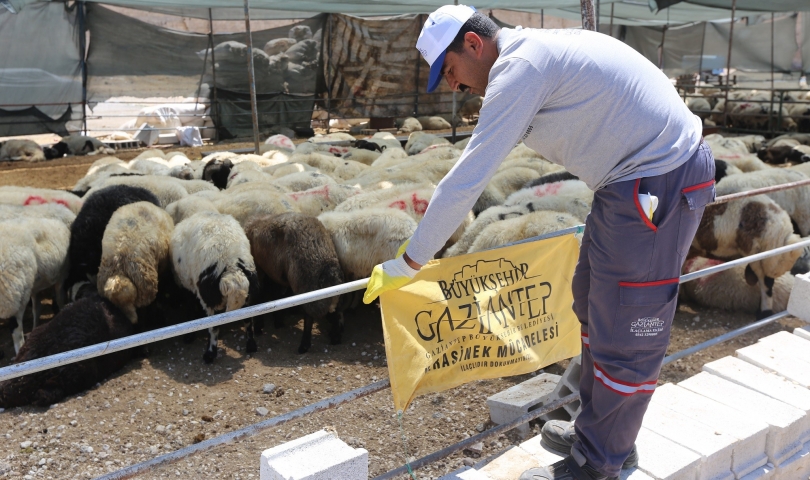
(631, 12)
(753, 5)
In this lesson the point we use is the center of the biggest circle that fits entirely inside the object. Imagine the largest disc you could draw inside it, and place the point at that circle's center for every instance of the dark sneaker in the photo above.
(559, 435)
(565, 469)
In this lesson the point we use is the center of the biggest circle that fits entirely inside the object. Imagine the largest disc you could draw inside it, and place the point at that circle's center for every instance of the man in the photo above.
(594, 105)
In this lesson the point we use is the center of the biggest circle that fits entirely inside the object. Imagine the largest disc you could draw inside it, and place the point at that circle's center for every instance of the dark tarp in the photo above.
(274, 110)
(31, 121)
(754, 5)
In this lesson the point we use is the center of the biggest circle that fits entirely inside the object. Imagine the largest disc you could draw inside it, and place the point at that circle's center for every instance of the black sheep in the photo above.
(217, 172)
(84, 251)
(88, 321)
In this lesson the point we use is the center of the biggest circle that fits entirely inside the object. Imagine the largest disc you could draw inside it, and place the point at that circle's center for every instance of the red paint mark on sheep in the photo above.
(400, 204)
(34, 200)
(321, 192)
(419, 204)
(547, 189)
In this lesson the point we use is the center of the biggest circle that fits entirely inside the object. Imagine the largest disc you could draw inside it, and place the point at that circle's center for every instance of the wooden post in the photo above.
(588, 21)
(728, 61)
(253, 108)
(215, 104)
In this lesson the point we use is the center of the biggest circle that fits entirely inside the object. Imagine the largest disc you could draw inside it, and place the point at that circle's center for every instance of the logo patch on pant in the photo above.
(647, 327)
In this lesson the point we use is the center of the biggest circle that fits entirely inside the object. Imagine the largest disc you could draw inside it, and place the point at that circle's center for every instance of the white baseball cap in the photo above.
(437, 34)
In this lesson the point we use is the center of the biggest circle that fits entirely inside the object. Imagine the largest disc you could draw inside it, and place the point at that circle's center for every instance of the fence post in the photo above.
(83, 61)
(588, 21)
(728, 61)
(251, 78)
(215, 106)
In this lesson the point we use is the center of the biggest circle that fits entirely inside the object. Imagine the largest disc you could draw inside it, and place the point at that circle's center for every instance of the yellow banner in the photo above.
(485, 315)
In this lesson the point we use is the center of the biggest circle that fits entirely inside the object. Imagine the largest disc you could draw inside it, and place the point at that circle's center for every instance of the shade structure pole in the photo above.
(611, 18)
(455, 105)
(770, 112)
(251, 78)
(728, 61)
(328, 71)
(702, 42)
(596, 16)
(661, 48)
(215, 104)
(588, 20)
(83, 61)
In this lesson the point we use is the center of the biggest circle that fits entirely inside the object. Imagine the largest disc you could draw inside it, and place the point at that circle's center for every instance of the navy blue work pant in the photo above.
(625, 293)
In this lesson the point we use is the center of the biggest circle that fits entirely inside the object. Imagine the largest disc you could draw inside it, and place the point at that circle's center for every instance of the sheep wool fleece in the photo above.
(583, 100)
(625, 290)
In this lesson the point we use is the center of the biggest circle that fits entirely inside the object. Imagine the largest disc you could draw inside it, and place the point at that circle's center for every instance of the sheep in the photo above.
(20, 150)
(322, 199)
(510, 180)
(284, 169)
(296, 252)
(87, 231)
(361, 155)
(188, 206)
(390, 157)
(84, 145)
(217, 172)
(149, 166)
(569, 196)
(729, 289)
(196, 186)
(211, 258)
(298, 182)
(365, 238)
(244, 205)
(462, 144)
(385, 140)
(433, 123)
(795, 201)
(33, 257)
(134, 251)
(723, 169)
(418, 141)
(103, 162)
(247, 175)
(278, 45)
(484, 219)
(53, 211)
(409, 125)
(520, 228)
(746, 162)
(89, 321)
(25, 196)
(744, 227)
(338, 168)
(166, 189)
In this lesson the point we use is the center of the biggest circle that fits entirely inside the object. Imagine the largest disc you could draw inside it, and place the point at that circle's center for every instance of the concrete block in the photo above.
(517, 400)
(751, 433)
(787, 424)
(318, 456)
(778, 358)
(750, 376)
(795, 467)
(715, 447)
(664, 459)
(510, 464)
(764, 472)
(634, 474)
(167, 139)
(799, 301)
(802, 332)
(798, 347)
(568, 384)
(465, 473)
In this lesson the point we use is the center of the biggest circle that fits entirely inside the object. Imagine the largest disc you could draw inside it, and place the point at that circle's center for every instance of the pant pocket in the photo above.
(644, 316)
(695, 199)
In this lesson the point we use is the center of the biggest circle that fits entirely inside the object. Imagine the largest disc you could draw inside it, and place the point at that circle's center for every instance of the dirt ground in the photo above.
(171, 399)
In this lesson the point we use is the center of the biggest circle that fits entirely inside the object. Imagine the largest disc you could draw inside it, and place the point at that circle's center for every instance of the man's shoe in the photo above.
(559, 435)
(565, 469)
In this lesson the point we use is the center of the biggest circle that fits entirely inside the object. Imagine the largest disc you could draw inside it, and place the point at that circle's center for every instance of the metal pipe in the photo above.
(455, 105)
(416, 80)
(447, 451)
(770, 112)
(541, 18)
(328, 70)
(613, 4)
(83, 61)
(728, 61)
(588, 22)
(742, 261)
(596, 16)
(215, 107)
(72, 356)
(251, 78)
(759, 191)
(722, 338)
(250, 430)
(702, 43)
(661, 47)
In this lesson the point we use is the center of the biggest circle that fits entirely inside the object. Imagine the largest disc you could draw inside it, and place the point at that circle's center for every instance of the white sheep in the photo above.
(25, 196)
(745, 227)
(365, 238)
(196, 186)
(247, 204)
(211, 258)
(103, 162)
(729, 290)
(17, 150)
(520, 228)
(322, 199)
(284, 169)
(433, 123)
(795, 201)
(188, 206)
(569, 196)
(390, 157)
(361, 155)
(33, 257)
(409, 125)
(166, 189)
(488, 216)
(418, 141)
(149, 166)
(134, 251)
(298, 182)
(54, 211)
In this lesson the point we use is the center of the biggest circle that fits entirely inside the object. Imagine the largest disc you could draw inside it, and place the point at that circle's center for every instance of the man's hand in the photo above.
(390, 275)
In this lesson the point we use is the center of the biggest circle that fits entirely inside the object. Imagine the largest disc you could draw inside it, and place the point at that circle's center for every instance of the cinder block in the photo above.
(510, 464)
(795, 467)
(787, 424)
(568, 384)
(778, 358)
(750, 376)
(802, 332)
(517, 400)
(799, 301)
(465, 473)
(751, 433)
(713, 446)
(798, 347)
(167, 139)
(318, 456)
(764, 472)
(664, 459)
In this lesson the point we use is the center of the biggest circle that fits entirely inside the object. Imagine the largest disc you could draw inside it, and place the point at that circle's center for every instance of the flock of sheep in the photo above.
(220, 233)
(751, 109)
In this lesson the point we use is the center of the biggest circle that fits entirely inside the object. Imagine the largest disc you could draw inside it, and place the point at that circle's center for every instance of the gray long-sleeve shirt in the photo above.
(581, 99)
